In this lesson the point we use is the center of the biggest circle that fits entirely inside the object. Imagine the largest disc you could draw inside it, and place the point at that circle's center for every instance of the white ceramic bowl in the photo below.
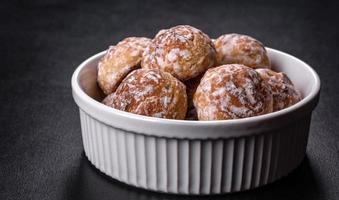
(196, 157)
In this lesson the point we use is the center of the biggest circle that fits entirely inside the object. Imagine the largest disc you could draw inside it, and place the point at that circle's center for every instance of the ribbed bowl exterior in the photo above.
(192, 166)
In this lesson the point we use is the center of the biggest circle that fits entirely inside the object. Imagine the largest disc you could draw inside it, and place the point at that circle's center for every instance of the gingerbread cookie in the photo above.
(150, 92)
(241, 49)
(284, 92)
(119, 61)
(231, 92)
(183, 51)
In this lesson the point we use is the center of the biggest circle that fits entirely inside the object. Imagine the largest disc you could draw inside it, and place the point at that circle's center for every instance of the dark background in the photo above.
(42, 42)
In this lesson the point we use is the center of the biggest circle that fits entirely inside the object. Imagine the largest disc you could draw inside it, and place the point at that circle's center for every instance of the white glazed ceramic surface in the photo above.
(196, 157)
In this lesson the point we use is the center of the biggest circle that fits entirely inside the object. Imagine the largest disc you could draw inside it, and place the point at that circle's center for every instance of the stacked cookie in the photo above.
(183, 74)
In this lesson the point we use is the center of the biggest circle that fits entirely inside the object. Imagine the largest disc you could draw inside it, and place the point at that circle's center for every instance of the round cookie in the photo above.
(183, 51)
(241, 49)
(119, 61)
(283, 90)
(230, 92)
(150, 92)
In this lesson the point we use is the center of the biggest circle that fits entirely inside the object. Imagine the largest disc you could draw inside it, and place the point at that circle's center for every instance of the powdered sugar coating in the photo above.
(283, 90)
(150, 92)
(119, 61)
(241, 49)
(231, 92)
(183, 51)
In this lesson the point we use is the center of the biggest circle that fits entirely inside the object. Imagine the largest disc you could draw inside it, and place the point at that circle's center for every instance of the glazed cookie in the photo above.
(231, 92)
(183, 51)
(150, 92)
(119, 61)
(241, 49)
(283, 90)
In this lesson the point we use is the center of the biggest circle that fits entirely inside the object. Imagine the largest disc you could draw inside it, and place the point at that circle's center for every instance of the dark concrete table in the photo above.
(42, 42)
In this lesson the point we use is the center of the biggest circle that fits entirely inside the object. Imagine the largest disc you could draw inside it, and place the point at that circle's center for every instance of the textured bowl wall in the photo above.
(194, 157)
(191, 166)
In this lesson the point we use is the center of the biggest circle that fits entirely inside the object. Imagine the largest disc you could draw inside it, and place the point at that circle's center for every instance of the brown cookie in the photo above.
(283, 90)
(150, 92)
(231, 92)
(241, 49)
(119, 61)
(183, 51)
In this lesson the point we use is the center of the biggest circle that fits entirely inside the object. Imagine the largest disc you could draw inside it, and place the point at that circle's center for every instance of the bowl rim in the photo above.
(79, 93)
